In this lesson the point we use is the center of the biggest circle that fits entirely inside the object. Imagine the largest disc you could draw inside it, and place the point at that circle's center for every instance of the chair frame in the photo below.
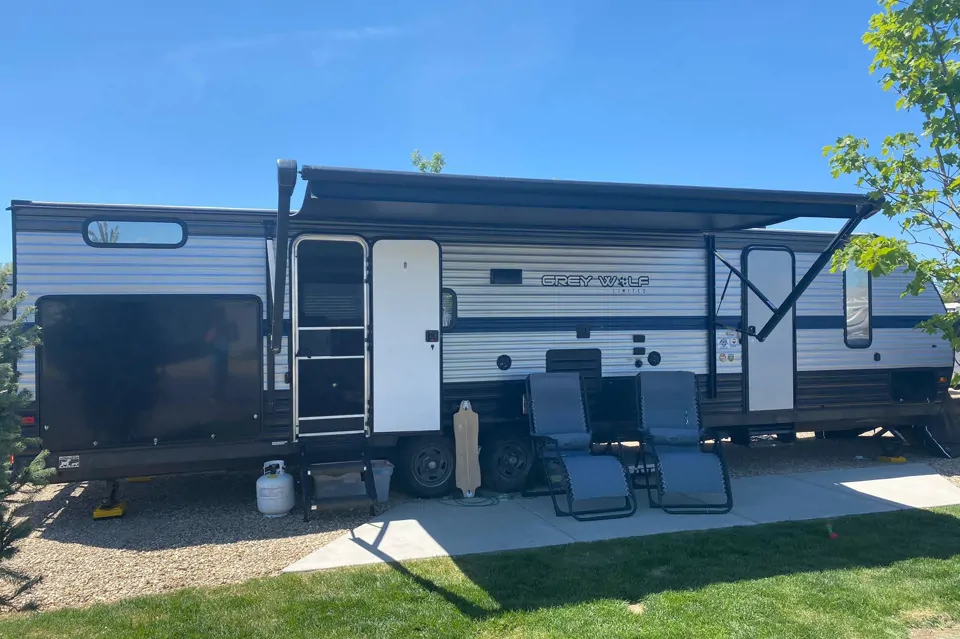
(546, 448)
(648, 450)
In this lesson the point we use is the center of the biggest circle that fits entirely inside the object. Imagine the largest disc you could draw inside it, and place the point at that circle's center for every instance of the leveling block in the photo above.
(107, 511)
(110, 507)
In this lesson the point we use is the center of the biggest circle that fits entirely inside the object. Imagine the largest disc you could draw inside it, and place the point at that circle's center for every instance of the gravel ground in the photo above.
(769, 457)
(179, 531)
(204, 530)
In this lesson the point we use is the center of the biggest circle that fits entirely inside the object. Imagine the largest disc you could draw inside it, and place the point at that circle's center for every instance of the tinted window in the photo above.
(449, 303)
(857, 307)
(330, 284)
(130, 369)
(134, 234)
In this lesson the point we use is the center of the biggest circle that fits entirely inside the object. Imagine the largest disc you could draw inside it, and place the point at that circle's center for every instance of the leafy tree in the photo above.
(434, 165)
(916, 45)
(105, 234)
(15, 336)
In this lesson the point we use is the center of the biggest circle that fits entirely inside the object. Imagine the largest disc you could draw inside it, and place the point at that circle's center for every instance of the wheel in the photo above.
(426, 465)
(505, 462)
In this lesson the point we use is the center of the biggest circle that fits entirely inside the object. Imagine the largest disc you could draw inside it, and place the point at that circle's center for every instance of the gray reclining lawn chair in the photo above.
(687, 480)
(596, 486)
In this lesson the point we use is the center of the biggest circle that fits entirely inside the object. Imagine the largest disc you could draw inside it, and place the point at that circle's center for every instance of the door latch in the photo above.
(432, 337)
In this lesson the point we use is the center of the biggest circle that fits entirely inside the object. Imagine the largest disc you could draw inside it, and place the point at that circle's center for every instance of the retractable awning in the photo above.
(392, 196)
(399, 197)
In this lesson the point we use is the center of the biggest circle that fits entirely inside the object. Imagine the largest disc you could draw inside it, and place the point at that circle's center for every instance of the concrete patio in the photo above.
(420, 529)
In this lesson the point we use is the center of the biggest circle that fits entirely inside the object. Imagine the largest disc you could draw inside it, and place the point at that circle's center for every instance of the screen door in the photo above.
(770, 364)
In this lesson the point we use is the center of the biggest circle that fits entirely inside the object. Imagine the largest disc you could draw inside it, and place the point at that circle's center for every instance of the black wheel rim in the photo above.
(432, 465)
(512, 460)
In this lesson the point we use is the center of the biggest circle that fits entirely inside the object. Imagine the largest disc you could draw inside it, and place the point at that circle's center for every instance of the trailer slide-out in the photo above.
(178, 339)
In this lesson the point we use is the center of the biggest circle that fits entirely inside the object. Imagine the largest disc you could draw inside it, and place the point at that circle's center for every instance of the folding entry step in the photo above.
(344, 484)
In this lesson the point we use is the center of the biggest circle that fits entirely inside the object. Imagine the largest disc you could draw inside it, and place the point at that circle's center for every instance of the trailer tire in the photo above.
(426, 465)
(505, 462)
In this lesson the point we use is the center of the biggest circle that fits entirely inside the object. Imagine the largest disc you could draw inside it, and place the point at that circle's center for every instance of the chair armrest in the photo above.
(545, 445)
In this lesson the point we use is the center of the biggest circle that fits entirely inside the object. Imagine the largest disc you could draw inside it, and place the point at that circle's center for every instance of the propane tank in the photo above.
(275, 490)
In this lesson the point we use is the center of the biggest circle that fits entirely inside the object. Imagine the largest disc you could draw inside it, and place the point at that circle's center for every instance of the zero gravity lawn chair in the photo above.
(596, 486)
(687, 479)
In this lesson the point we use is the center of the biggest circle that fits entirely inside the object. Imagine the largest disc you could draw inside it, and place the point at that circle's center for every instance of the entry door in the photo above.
(770, 365)
(329, 303)
(406, 336)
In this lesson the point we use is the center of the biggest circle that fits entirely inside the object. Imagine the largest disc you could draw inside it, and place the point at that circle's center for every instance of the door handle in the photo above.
(432, 337)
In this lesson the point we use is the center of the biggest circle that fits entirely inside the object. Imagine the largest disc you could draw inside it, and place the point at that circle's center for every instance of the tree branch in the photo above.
(938, 43)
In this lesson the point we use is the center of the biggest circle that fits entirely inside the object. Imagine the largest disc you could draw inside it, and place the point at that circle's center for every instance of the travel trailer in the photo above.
(179, 339)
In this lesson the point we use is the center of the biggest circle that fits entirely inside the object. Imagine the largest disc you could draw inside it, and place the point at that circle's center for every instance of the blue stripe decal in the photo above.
(652, 323)
(569, 324)
(898, 321)
(807, 322)
(648, 323)
(879, 321)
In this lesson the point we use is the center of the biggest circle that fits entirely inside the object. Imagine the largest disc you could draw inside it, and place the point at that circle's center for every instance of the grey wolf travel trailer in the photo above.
(403, 294)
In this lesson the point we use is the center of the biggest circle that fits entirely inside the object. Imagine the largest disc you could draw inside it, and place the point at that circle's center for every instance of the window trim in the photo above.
(453, 315)
(846, 341)
(85, 232)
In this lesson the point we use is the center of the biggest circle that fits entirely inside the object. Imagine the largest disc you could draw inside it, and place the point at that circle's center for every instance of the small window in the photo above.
(506, 276)
(448, 302)
(857, 308)
(134, 234)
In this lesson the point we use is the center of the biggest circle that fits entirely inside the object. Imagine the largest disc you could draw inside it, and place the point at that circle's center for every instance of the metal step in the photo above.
(311, 501)
(337, 467)
(341, 503)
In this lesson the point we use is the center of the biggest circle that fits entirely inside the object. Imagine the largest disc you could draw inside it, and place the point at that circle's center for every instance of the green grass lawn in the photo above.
(886, 574)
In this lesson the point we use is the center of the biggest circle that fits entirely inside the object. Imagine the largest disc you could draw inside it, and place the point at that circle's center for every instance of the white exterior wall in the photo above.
(676, 276)
(824, 349)
(676, 289)
(825, 295)
(60, 263)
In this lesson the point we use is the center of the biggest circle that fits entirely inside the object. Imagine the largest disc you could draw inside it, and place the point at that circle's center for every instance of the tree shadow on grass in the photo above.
(631, 569)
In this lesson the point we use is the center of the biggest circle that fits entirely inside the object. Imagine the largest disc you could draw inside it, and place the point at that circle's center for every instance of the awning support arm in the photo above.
(750, 285)
(779, 312)
(286, 181)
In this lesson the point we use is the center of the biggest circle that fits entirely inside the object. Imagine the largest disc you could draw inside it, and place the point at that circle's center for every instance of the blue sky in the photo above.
(192, 102)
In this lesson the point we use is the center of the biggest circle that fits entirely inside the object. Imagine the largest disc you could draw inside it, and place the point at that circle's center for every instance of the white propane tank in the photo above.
(275, 490)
